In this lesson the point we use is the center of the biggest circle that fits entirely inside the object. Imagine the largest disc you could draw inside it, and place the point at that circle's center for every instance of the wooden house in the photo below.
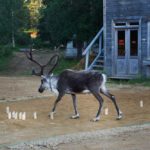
(126, 37)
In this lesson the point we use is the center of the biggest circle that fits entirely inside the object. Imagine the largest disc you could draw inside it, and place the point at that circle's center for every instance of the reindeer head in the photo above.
(45, 79)
(45, 84)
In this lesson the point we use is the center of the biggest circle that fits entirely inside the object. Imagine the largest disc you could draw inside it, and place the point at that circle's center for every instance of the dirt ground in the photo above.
(15, 92)
(139, 140)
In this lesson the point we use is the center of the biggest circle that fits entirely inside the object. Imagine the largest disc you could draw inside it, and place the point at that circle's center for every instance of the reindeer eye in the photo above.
(44, 80)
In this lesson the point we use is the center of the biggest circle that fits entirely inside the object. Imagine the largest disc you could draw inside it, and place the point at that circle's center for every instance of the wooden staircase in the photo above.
(95, 48)
(99, 63)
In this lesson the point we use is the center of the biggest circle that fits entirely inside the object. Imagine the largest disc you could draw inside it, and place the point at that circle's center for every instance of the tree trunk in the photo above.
(79, 49)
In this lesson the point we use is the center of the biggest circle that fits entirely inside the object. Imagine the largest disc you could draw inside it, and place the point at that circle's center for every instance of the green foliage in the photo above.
(23, 39)
(6, 51)
(65, 64)
(38, 43)
(137, 81)
(141, 81)
(14, 18)
(64, 18)
(5, 56)
(34, 7)
(4, 61)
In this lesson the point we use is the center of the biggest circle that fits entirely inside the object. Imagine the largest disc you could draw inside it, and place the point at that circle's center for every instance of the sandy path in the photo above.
(16, 131)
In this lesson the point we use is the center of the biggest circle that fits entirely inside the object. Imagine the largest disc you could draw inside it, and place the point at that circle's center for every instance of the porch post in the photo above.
(100, 43)
(87, 60)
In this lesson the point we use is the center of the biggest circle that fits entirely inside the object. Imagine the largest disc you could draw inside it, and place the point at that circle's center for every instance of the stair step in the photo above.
(100, 61)
(101, 57)
(97, 69)
(98, 66)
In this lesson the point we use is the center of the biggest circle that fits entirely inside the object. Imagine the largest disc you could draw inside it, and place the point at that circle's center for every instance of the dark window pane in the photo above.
(121, 43)
(134, 23)
(133, 43)
(120, 24)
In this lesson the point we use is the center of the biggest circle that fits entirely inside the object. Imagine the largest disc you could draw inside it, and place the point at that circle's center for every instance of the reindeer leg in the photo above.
(100, 100)
(112, 97)
(76, 116)
(51, 115)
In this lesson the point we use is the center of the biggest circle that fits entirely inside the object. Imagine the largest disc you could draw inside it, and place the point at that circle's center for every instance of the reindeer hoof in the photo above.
(51, 115)
(120, 116)
(95, 119)
(77, 116)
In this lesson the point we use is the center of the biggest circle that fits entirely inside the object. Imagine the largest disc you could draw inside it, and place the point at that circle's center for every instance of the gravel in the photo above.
(52, 142)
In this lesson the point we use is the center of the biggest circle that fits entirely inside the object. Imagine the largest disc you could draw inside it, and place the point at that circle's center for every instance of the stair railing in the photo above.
(87, 51)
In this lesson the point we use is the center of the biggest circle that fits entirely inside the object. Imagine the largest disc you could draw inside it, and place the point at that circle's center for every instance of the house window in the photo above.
(134, 43)
(134, 23)
(120, 24)
(121, 43)
(127, 24)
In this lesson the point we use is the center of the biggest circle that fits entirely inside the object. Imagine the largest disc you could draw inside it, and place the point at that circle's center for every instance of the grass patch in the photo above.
(137, 81)
(4, 62)
(141, 81)
(65, 64)
(6, 53)
(24, 73)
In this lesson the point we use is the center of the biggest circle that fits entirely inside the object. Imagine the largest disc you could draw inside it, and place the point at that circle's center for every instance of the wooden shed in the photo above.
(126, 33)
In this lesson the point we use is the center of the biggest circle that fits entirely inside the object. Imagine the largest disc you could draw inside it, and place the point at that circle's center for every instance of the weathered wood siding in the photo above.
(125, 9)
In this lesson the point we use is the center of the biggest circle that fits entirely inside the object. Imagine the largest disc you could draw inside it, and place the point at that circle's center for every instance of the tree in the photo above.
(13, 20)
(64, 18)
(34, 7)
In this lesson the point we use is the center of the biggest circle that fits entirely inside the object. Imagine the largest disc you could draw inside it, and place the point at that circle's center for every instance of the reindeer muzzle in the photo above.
(41, 90)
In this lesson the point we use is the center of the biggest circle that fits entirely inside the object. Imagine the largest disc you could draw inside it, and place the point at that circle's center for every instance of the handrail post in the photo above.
(100, 43)
(87, 60)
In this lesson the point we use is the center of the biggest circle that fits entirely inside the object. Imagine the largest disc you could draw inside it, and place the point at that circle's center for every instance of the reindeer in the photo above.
(73, 82)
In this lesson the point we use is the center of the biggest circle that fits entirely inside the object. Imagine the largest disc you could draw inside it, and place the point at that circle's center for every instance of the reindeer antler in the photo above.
(30, 57)
(55, 57)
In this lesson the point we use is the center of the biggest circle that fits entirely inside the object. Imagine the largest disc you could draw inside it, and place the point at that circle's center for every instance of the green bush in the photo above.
(23, 39)
(65, 64)
(4, 61)
(6, 50)
(37, 43)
